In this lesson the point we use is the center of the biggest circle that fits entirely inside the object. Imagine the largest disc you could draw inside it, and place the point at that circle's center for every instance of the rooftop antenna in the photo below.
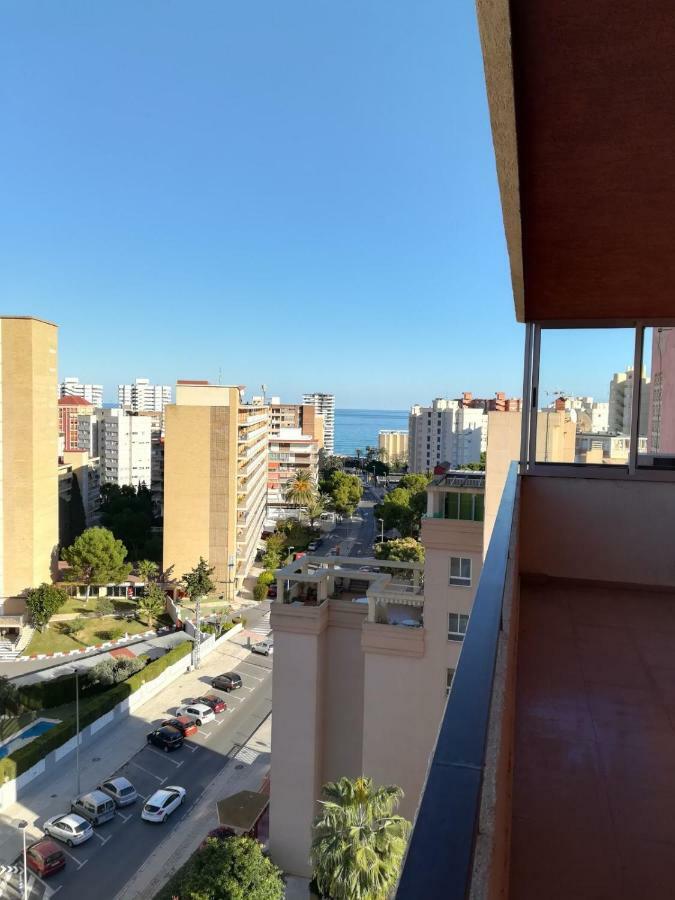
(263, 388)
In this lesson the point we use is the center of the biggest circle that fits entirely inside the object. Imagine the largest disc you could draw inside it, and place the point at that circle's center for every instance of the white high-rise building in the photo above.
(141, 396)
(324, 404)
(125, 447)
(588, 414)
(445, 432)
(71, 387)
(621, 402)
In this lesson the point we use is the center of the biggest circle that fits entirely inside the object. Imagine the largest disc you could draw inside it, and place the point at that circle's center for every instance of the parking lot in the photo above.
(101, 866)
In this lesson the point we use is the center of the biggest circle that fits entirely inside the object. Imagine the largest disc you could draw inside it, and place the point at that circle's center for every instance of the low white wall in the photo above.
(11, 791)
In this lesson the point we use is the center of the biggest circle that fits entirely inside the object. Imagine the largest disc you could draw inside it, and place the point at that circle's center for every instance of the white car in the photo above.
(199, 713)
(71, 829)
(120, 789)
(162, 803)
(266, 648)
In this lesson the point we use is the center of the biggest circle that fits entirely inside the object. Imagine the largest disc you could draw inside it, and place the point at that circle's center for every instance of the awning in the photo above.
(241, 811)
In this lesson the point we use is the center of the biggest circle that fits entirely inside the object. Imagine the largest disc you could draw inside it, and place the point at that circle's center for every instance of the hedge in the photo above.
(91, 708)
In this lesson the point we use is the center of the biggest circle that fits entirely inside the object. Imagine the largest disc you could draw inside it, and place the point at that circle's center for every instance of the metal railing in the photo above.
(439, 861)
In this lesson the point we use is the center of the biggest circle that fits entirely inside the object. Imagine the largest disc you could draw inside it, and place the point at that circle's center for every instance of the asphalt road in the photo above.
(102, 866)
(355, 536)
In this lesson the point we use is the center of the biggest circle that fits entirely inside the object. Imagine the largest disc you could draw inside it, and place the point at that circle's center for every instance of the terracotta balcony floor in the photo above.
(594, 768)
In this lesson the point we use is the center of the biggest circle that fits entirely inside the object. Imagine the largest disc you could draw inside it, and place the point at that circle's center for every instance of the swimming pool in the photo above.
(26, 735)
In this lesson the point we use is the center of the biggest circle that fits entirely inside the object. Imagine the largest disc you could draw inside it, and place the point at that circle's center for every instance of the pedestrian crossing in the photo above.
(263, 627)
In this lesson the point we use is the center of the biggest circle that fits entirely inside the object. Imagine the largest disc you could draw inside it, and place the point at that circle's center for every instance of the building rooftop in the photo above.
(460, 478)
(74, 401)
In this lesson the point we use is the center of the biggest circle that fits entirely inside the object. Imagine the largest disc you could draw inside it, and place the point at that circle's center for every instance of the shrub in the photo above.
(266, 578)
(259, 591)
(73, 626)
(110, 634)
(105, 606)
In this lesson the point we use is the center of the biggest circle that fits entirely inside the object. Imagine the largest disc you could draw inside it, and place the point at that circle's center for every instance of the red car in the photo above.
(45, 857)
(183, 724)
(217, 704)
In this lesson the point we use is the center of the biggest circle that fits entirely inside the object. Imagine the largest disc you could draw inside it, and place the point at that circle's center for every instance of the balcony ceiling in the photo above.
(583, 121)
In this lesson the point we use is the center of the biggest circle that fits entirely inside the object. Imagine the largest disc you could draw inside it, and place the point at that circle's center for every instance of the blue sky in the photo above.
(300, 193)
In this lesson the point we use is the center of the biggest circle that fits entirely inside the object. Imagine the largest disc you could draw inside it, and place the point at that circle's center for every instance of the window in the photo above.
(460, 571)
(457, 624)
(466, 506)
(448, 683)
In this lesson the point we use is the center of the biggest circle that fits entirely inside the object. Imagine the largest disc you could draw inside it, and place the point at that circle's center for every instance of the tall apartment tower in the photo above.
(215, 480)
(394, 445)
(324, 404)
(71, 387)
(445, 432)
(621, 402)
(661, 431)
(124, 447)
(70, 410)
(29, 513)
(141, 396)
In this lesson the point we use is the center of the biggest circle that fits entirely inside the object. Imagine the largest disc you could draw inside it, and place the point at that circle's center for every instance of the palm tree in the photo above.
(301, 490)
(314, 508)
(358, 842)
(153, 603)
(148, 571)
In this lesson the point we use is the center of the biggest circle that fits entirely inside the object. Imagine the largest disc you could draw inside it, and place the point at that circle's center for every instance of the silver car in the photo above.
(71, 829)
(120, 789)
(265, 648)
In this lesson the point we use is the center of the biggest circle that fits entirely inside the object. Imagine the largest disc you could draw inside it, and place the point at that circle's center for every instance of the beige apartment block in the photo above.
(364, 662)
(29, 443)
(394, 445)
(215, 480)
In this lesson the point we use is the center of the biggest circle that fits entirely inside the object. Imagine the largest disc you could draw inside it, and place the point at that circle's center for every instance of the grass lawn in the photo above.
(77, 605)
(54, 638)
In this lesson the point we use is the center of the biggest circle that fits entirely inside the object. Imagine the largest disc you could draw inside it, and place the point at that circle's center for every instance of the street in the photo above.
(104, 864)
(355, 536)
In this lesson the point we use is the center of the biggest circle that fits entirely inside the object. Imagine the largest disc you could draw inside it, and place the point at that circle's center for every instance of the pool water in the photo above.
(26, 735)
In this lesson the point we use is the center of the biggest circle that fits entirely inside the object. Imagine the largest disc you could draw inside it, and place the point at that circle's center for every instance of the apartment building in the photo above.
(71, 387)
(397, 651)
(661, 424)
(394, 446)
(445, 432)
(29, 440)
(70, 409)
(324, 404)
(588, 414)
(79, 494)
(605, 449)
(124, 447)
(296, 415)
(215, 479)
(499, 403)
(621, 402)
(552, 776)
(290, 451)
(142, 396)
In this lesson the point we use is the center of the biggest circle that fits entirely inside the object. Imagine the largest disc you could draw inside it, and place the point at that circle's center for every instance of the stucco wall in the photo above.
(598, 529)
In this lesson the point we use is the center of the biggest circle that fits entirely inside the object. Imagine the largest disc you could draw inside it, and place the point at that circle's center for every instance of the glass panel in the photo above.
(479, 510)
(466, 568)
(451, 506)
(656, 422)
(585, 395)
(466, 506)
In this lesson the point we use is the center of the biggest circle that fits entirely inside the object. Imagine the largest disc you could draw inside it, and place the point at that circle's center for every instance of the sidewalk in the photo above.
(51, 796)
(173, 852)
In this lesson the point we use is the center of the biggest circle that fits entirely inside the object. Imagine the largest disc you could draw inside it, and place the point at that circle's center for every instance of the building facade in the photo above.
(394, 446)
(445, 432)
(215, 480)
(29, 443)
(621, 402)
(70, 409)
(141, 396)
(296, 415)
(661, 425)
(124, 447)
(290, 451)
(397, 651)
(324, 404)
(71, 387)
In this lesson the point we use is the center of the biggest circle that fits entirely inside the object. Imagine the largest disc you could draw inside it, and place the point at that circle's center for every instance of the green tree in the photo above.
(403, 507)
(147, 571)
(152, 604)
(198, 581)
(402, 549)
(274, 547)
(477, 466)
(314, 509)
(10, 704)
(345, 492)
(127, 511)
(96, 557)
(301, 489)
(234, 869)
(43, 602)
(105, 606)
(358, 842)
(73, 626)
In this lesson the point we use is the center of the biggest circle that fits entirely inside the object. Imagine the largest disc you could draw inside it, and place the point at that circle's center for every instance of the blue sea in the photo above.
(359, 427)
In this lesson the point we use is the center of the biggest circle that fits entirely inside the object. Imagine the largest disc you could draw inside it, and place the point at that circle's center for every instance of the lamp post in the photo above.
(76, 671)
(22, 824)
(381, 521)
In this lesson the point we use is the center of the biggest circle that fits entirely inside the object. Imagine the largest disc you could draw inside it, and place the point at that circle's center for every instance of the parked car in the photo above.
(198, 712)
(272, 591)
(183, 724)
(265, 648)
(215, 703)
(95, 806)
(166, 738)
(162, 803)
(120, 789)
(313, 545)
(70, 829)
(228, 681)
(44, 858)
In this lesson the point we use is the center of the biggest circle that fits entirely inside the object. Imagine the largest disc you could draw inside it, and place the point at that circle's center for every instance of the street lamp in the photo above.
(22, 825)
(381, 521)
(77, 727)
